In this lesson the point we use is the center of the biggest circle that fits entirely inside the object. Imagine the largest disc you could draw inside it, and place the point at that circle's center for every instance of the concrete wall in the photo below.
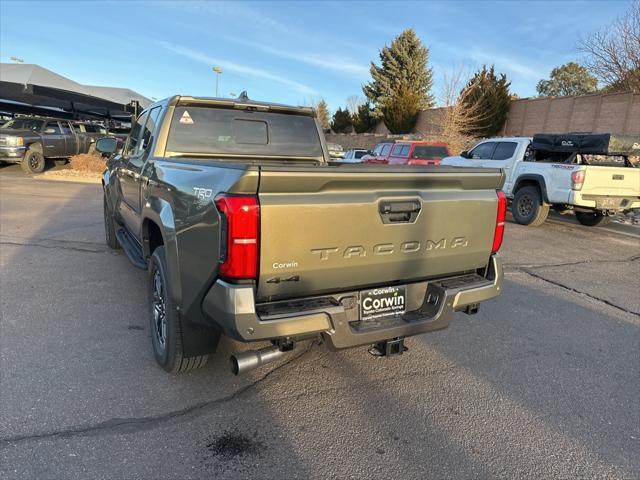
(607, 113)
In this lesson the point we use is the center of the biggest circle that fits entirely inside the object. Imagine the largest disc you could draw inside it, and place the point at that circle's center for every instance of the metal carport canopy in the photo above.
(36, 86)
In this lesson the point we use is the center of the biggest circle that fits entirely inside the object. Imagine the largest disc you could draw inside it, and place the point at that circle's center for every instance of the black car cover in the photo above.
(592, 143)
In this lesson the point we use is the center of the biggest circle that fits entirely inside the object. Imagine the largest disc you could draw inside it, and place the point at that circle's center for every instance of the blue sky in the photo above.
(290, 52)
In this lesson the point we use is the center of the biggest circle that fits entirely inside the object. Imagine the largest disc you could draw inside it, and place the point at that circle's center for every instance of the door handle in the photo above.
(399, 211)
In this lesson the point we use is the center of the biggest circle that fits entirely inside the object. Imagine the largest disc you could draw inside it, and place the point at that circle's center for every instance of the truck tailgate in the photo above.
(324, 229)
(611, 181)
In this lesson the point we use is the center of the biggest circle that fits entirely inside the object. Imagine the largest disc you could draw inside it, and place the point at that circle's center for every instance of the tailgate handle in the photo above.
(399, 212)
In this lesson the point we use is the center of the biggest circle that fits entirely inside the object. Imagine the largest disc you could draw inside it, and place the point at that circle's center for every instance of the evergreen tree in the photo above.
(488, 95)
(322, 112)
(401, 113)
(569, 79)
(403, 66)
(364, 120)
(341, 121)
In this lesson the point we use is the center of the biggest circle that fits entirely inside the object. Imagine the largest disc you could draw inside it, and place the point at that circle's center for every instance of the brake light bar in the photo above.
(500, 219)
(240, 235)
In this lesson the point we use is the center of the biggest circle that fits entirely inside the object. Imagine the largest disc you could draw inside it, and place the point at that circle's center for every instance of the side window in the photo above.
(405, 150)
(134, 137)
(66, 129)
(397, 148)
(483, 151)
(54, 126)
(504, 150)
(385, 150)
(150, 126)
(378, 149)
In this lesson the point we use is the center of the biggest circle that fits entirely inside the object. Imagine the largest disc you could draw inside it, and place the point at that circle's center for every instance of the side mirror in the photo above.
(50, 130)
(464, 154)
(107, 145)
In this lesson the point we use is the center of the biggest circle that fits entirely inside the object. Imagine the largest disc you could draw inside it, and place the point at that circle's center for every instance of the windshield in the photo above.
(429, 152)
(24, 124)
(206, 130)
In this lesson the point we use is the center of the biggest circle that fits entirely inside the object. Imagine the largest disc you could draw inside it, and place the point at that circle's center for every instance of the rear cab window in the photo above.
(223, 131)
(504, 150)
(429, 152)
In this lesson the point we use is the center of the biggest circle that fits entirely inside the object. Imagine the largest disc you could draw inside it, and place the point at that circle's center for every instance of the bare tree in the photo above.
(353, 102)
(613, 53)
(456, 115)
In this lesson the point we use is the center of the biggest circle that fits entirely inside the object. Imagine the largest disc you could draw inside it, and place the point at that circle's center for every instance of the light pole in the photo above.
(217, 71)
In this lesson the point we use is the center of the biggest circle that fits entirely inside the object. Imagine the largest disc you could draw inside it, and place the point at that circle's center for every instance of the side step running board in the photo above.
(131, 248)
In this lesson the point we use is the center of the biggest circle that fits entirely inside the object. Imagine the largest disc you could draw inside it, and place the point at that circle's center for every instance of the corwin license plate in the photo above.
(382, 302)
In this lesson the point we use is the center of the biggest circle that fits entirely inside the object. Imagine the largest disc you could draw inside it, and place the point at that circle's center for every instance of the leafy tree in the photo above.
(341, 121)
(364, 120)
(322, 112)
(403, 67)
(401, 113)
(488, 95)
(567, 80)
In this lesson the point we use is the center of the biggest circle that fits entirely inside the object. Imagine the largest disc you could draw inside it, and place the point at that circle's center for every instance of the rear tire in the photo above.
(164, 321)
(109, 226)
(33, 162)
(527, 207)
(592, 219)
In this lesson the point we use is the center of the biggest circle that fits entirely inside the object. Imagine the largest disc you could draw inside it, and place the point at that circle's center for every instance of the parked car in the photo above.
(30, 141)
(94, 131)
(335, 150)
(408, 152)
(588, 174)
(254, 233)
(354, 155)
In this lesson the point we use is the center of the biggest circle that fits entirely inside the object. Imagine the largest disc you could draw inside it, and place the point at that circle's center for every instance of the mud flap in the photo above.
(198, 340)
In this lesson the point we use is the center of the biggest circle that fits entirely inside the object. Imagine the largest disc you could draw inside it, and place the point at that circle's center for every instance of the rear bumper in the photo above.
(603, 202)
(430, 306)
(12, 154)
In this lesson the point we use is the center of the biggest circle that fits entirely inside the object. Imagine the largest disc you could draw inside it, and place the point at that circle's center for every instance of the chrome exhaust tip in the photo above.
(242, 362)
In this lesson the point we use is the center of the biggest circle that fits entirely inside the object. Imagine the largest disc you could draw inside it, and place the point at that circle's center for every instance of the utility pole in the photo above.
(217, 71)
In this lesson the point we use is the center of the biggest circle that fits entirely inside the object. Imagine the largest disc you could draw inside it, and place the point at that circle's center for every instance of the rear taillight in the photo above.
(500, 217)
(577, 179)
(240, 235)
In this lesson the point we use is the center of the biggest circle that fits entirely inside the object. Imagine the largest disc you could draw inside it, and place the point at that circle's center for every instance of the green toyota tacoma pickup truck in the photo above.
(247, 229)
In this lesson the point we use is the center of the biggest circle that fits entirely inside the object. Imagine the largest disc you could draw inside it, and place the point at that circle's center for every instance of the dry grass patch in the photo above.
(86, 163)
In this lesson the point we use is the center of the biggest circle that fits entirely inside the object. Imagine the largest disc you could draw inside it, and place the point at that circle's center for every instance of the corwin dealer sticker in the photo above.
(382, 302)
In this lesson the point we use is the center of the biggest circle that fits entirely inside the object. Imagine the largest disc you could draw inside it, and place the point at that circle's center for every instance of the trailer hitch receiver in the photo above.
(388, 348)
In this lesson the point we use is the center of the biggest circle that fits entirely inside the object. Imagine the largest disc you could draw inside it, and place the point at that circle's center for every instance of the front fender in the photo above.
(159, 211)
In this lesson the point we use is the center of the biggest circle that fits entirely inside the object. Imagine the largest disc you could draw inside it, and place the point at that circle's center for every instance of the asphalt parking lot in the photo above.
(543, 382)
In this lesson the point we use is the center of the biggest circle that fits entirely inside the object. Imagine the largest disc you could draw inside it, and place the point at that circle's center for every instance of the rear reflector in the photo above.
(500, 218)
(239, 251)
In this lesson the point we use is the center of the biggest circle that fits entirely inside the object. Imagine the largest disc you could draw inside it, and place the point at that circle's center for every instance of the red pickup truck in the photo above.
(408, 152)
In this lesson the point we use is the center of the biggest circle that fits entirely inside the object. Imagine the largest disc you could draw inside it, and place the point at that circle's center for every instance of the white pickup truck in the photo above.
(593, 175)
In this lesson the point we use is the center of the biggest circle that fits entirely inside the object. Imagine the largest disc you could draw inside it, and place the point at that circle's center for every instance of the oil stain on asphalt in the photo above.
(231, 445)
